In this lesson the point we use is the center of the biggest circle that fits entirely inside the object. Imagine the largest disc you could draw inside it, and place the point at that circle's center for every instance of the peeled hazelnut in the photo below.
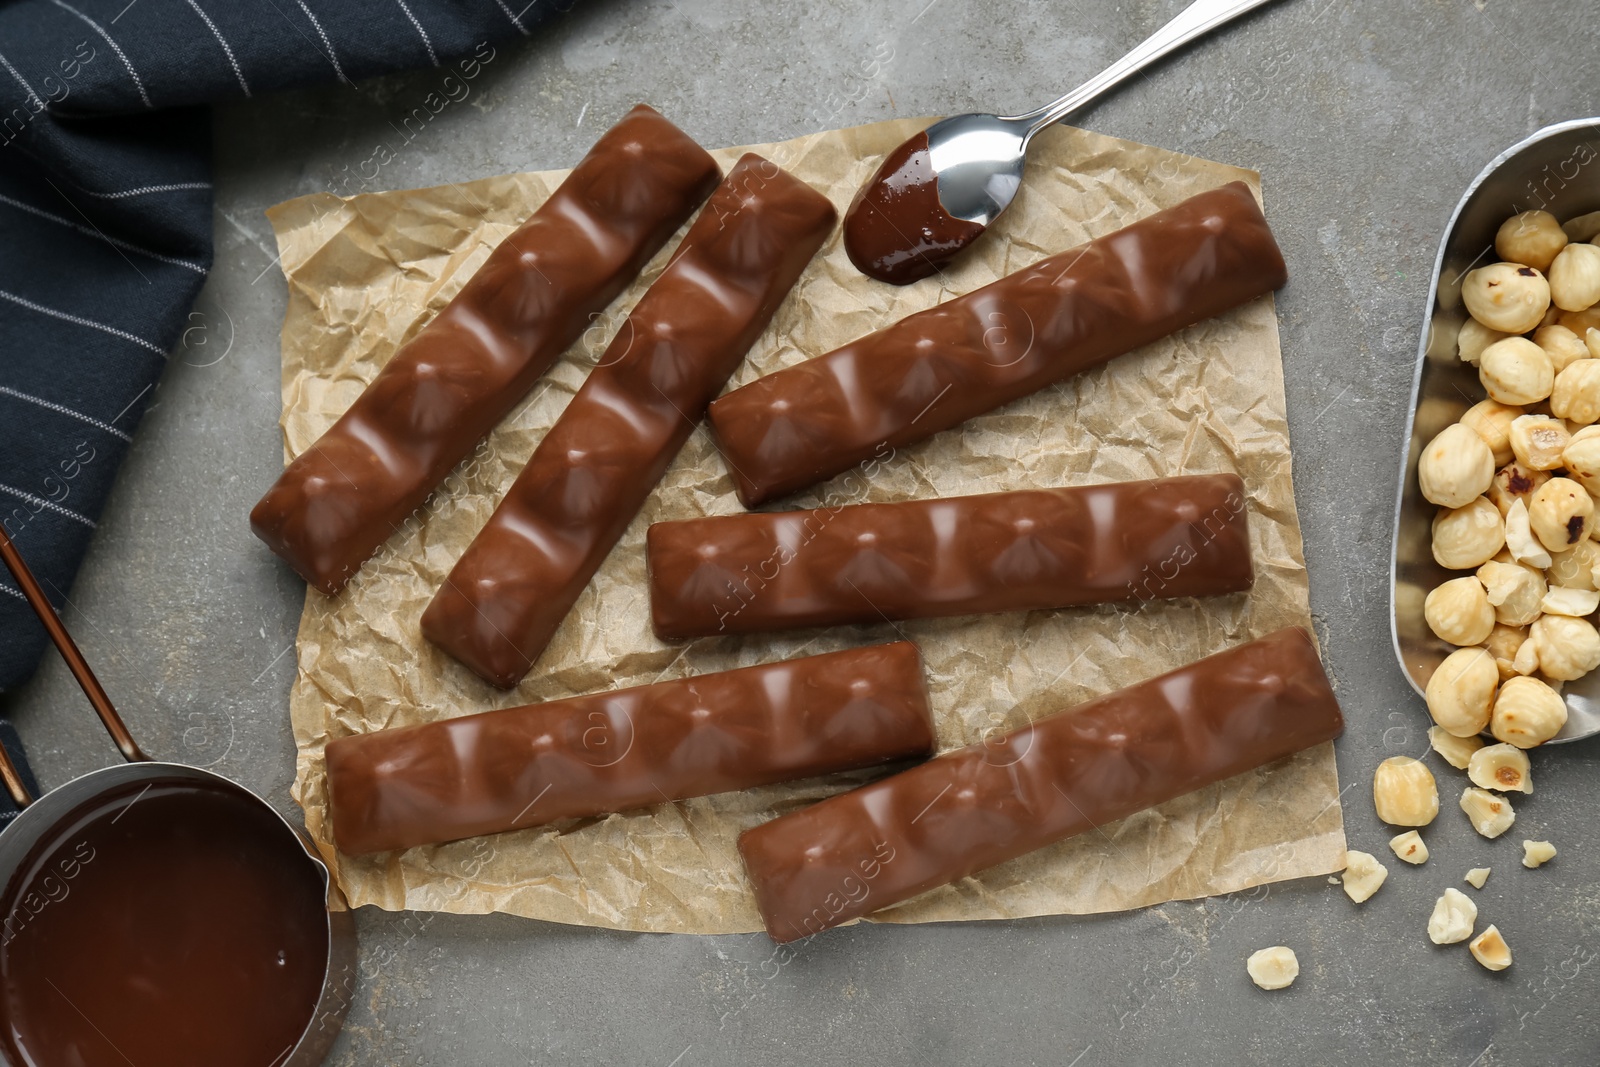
(1562, 346)
(1560, 513)
(1514, 482)
(1474, 337)
(1404, 792)
(1491, 950)
(1582, 227)
(1591, 342)
(1468, 537)
(1532, 237)
(1491, 420)
(1459, 612)
(1526, 661)
(1273, 968)
(1574, 568)
(1508, 297)
(1363, 875)
(1537, 853)
(1575, 603)
(1580, 322)
(1568, 649)
(1491, 815)
(1514, 591)
(1576, 394)
(1527, 712)
(1581, 458)
(1518, 533)
(1503, 767)
(1503, 643)
(1457, 751)
(1453, 916)
(1460, 694)
(1409, 847)
(1575, 277)
(1538, 440)
(1516, 371)
(1477, 876)
(1457, 466)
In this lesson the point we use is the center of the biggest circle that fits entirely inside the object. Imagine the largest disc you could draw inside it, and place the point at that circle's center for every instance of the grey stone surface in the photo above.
(1366, 119)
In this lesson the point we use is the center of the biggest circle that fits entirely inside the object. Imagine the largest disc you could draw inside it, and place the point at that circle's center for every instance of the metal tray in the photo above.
(1556, 170)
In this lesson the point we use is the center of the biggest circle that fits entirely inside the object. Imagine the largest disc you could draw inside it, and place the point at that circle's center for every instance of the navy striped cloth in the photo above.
(105, 217)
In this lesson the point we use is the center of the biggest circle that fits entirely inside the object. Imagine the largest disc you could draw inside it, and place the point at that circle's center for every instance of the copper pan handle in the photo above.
(75, 663)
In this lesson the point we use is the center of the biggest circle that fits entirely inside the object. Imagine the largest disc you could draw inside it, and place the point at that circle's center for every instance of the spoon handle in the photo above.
(1199, 18)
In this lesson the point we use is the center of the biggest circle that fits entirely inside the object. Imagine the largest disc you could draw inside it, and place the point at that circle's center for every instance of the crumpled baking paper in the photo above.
(366, 273)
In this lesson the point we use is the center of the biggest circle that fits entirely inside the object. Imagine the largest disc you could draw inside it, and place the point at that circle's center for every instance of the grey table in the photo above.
(1366, 118)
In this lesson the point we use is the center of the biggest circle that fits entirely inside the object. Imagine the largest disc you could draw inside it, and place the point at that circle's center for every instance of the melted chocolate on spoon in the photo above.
(896, 229)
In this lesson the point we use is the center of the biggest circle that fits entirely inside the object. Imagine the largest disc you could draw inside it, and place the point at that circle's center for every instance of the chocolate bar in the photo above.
(630, 748)
(1030, 550)
(940, 367)
(589, 476)
(976, 807)
(448, 387)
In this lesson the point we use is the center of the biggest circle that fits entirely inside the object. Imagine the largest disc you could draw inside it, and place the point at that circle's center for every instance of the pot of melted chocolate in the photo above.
(154, 913)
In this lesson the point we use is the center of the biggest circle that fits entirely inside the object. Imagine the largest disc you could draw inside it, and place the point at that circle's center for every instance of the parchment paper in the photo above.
(366, 273)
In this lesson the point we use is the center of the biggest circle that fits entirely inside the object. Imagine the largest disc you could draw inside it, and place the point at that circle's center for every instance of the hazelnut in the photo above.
(1516, 371)
(1568, 649)
(1562, 346)
(1575, 603)
(1404, 792)
(1519, 539)
(1474, 337)
(1560, 513)
(1508, 297)
(1363, 875)
(1514, 591)
(1537, 853)
(1457, 751)
(1527, 712)
(1491, 420)
(1457, 466)
(1502, 767)
(1582, 227)
(1580, 322)
(1409, 847)
(1532, 237)
(1460, 695)
(1538, 440)
(1453, 917)
(1273, 968)
(1576, 395)
(1575, 277)
(1574, 568)
(1491, 950)
(1515, 482)
(1526, 661)
(1458, 611)
(1490, 815)
(1468, 537)
(1477, 876)
(1591, 342)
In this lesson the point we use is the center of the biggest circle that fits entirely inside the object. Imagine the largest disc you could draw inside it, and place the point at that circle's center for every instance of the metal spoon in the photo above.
(976, 160)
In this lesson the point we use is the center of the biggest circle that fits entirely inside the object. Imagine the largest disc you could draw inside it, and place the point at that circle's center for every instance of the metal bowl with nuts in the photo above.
(1496, 566)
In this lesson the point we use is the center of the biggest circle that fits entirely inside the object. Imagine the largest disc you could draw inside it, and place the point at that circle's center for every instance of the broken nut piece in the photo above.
(1409, 847)
(1503, 767)
(1454, 915)
(1457, 751)
(1363, 875)
(1537, 853)
(1273, 968)
(1491, 815)
(1404, 792)
(1477, 876)
(1491, 950)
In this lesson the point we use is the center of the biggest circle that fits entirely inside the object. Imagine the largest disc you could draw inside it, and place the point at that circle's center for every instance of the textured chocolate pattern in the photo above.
(448, 387)
(589, 476)
(1062, 775)
(940, 367)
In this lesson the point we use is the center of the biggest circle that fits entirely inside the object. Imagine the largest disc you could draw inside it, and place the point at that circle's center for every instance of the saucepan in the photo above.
(157, 913)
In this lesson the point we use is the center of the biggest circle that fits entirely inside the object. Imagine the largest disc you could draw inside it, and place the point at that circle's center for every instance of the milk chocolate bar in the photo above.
(1030, 550)
(589, 476)
(448, 387)
(611, 752)
(940, 367)
(1062, 775)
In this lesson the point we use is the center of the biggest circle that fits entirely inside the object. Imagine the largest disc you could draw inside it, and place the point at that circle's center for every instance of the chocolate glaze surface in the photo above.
(447, 387)
(162, 925)
(591, 473)
(896, 229)
(611, 752)
(1061, 775)
(1030, 550)
(939, 367)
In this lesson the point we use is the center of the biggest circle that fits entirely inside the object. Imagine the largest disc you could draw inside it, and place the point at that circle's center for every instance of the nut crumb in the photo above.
(1537, 853)
(1410, 847)
(1477, 876)
(1491, 950)
(1273, 968)
(1363, 875)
